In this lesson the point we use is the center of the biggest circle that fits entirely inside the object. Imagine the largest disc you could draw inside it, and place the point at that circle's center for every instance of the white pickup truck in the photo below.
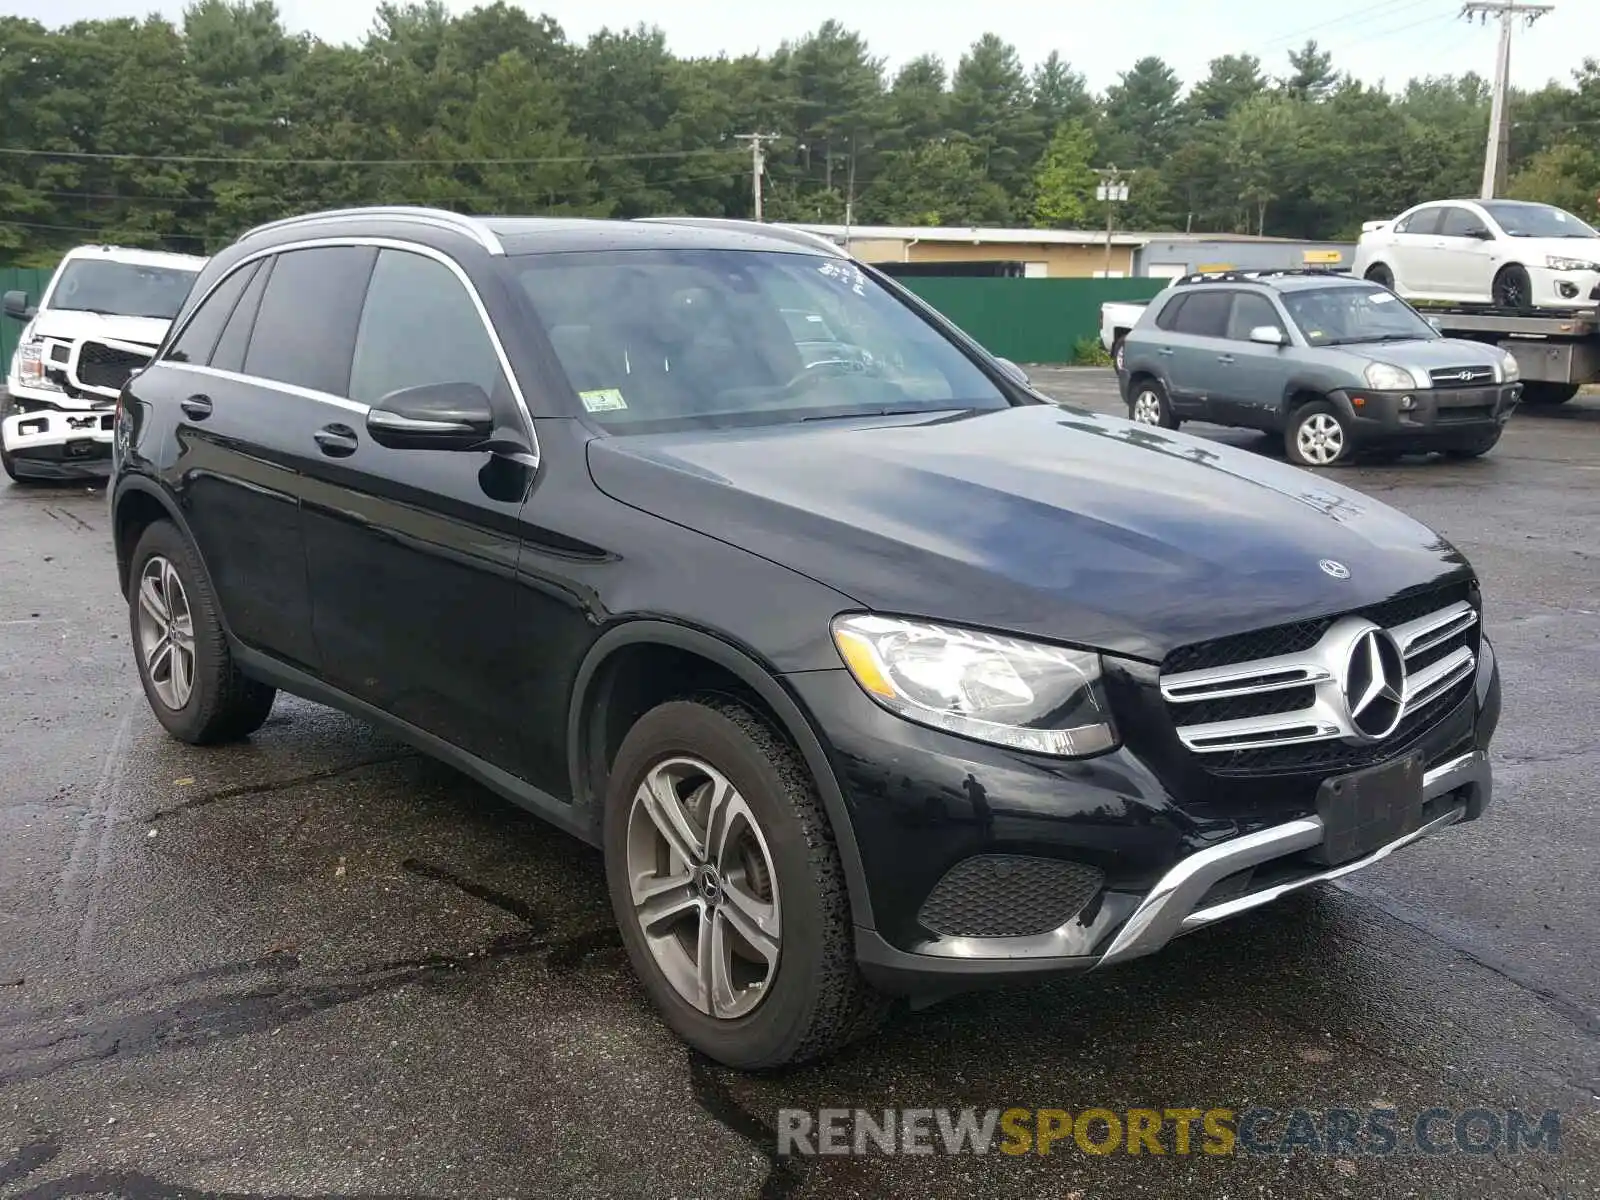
(102, 315)
(1117, 317)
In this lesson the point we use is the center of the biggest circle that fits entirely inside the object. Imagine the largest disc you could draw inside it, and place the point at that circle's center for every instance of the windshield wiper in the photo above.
(875, 412)
(1382, 337)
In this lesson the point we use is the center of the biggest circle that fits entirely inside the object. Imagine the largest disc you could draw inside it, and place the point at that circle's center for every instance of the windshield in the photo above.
(121, 289)
(1345, 316)
(1537, 220)
(654, 339)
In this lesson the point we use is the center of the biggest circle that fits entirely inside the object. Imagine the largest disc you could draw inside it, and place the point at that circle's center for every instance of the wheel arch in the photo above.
(591, 741)
(136, 504)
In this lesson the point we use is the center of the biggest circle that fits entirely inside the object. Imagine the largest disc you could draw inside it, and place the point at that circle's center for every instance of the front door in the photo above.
(412, 554)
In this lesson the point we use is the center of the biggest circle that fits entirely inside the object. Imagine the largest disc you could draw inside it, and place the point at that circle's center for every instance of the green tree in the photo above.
(1063, 186)
(1311, 75)
(991, 108)
(1234, 79)
(1142, 115)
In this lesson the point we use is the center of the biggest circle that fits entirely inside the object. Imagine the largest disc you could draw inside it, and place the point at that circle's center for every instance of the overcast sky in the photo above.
(1375, 39)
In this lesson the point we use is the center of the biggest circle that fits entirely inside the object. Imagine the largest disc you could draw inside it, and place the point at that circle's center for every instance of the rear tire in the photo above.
(1512, 288)
(1147, 405)
(1318, 436)
(1116, 351)
(1548, 394)
(194, 687)
(768, 848)
(1381, 275)
(1475, 447)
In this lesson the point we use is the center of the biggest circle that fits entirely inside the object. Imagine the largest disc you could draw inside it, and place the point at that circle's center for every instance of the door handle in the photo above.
(1225, 358)
(196, 407)
(337, 441)
(1165, 351)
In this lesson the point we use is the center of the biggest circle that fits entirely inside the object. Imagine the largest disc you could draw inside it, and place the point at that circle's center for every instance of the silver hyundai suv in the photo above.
(1338, 365)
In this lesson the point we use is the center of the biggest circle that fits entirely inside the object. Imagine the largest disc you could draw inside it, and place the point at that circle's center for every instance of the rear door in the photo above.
(244, 380)
(412, 554)
(1198, 340)
(1416, 250)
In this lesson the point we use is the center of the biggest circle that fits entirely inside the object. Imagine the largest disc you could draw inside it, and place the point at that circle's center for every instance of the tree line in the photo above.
(182, 135)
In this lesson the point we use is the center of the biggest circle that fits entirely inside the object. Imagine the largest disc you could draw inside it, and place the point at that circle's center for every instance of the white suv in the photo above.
(102, 315)
(1508, 253)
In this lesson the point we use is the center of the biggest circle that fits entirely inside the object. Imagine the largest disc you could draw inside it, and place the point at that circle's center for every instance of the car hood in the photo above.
(75, 326)
(1532, 250)
(1046, 521)
(1426, 353)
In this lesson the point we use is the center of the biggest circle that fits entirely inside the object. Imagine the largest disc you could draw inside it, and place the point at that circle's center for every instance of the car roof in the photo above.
(516, 235)
(1282, 281)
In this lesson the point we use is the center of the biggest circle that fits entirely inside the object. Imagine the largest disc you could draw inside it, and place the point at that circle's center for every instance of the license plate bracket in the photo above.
(1368, 809)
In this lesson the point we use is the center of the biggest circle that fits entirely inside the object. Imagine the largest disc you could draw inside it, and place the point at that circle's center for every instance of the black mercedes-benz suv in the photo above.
(872, 671)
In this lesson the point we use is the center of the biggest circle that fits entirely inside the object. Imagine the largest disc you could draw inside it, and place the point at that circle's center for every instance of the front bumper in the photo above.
(1435, 416)
(53, 443)
(1173, 855)
(1564, 289)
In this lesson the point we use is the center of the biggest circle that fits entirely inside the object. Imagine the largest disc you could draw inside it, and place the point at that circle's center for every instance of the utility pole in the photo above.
(1113, 191)
(758, 162)
(1498, 151)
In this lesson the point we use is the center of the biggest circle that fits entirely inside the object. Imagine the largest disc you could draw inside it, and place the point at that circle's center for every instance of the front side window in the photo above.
(1347, 316)
(1462, 223)
(121, 289)
(1251, 311)
(1520, 219)
(418, 327)
(667, 338)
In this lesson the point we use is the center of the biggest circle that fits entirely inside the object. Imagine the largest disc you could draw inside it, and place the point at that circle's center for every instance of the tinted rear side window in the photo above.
(199, 336)
(229, 354)
(306, 327)
(1168, 316)
(1206, 314)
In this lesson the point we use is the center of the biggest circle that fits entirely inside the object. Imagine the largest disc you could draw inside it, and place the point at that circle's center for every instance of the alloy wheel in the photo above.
(703, 887)
(166, 632)
(1147, 408)
(1320, 439)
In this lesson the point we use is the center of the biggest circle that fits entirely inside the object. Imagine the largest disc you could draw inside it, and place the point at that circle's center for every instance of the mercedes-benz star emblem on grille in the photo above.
(1337, 569)
(1374, 684)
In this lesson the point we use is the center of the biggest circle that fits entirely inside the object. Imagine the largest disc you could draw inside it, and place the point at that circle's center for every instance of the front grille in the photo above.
(1005, 895)
(1451, 377)
(1273, 702)
(103, 366)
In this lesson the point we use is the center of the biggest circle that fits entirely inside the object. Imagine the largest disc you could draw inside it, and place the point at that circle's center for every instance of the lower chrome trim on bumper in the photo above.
(1170, 908)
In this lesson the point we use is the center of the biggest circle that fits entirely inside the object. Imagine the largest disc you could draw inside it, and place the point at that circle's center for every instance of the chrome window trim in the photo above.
(290, 389)
(380, 243)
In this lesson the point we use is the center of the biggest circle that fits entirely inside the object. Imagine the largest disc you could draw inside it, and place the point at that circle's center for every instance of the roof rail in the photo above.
(439, 218)
(782, 233)
(1255, 276)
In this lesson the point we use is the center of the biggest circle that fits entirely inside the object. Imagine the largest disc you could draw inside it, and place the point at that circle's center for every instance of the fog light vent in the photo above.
(1004, 895)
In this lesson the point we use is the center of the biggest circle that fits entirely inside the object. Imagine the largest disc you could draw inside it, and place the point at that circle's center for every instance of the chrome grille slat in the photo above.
(1319, 669)
(1423, 634)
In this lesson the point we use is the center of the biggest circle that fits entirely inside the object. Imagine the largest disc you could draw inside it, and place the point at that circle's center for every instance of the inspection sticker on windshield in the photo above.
(602, 400)
(1381, 297)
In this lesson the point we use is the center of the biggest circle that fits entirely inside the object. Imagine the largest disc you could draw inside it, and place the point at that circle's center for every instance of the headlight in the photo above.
(1510, 368)
(30, 366)
(1010, 692)
(1387, 377)
(1557, 263)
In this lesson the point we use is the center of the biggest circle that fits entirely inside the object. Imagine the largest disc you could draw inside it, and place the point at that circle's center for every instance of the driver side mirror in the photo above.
(1267, 335)
(435, 416)
(1481, 233)
(17, 307)
(1016, 372)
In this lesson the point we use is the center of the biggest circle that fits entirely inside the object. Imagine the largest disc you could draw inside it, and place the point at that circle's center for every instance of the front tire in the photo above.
(194, 687)
(1148, 405)
(1318, 436)
(728, 889)
(1512, 288)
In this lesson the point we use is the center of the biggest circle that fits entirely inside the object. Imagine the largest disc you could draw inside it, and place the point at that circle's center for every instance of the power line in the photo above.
(1360, 12)
(232, 160)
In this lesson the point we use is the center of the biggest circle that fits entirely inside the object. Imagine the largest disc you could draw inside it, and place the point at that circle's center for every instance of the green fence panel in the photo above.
(1028, 320)
(19, 279)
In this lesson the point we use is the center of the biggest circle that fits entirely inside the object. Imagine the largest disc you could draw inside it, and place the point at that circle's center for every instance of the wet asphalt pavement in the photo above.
(317, 964)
